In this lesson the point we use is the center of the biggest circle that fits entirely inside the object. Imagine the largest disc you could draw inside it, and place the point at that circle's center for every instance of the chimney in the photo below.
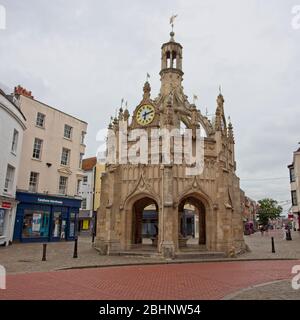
(22, 91)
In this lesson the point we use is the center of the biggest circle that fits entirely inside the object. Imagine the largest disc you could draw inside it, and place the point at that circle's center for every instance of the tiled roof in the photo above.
(89, 163)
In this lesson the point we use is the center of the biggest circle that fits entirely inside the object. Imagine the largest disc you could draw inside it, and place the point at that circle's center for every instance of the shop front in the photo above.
(85, 222)
(7, 218)
(43, 218)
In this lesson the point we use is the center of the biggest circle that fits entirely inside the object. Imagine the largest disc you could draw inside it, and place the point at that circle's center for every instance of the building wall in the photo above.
(296, 185)
(86, 189)
(100, 168)
(10, 119)
(49, 167)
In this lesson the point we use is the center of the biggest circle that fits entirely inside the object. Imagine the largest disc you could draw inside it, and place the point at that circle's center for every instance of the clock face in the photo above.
(145, 114)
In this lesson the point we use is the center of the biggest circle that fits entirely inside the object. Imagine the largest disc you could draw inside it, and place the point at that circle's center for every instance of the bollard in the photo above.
(289, 235)
(75, 255)
(273, 245)
(44, 251)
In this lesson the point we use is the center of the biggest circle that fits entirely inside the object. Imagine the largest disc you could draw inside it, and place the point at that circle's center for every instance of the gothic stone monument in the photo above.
(128, 188)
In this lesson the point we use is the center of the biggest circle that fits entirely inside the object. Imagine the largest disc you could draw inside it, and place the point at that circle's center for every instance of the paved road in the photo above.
(175, 281)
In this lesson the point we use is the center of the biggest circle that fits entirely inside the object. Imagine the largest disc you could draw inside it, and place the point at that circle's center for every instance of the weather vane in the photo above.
(172, 19)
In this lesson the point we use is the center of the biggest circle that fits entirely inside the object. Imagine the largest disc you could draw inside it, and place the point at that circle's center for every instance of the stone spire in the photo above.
(171, 65)
(147, 91)
(230, 131)
(220, 120)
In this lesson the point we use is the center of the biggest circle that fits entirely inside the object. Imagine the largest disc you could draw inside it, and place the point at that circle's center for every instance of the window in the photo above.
(14, 144)
(82, 137)
(65, 157)
(83, 204)
(85, 180)
(37, 148)
(62, 189)
(68, 132)
(9, 179)
(2, 216)
(80, 160)
(33, 181)
(72, 225)
(294, 198)
(36, 224)
(40, 120)
(78, 186)
(292, 174)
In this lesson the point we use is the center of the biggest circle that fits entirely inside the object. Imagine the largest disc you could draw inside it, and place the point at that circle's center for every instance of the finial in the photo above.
(220, 90)
(172, 19)
(195, 97)
(147, 77)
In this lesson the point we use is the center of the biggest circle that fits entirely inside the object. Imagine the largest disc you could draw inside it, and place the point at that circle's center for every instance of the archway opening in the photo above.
(145, 223)
(191, 222)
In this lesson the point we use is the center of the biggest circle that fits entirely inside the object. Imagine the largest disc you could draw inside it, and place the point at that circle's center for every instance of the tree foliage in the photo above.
(268, 209)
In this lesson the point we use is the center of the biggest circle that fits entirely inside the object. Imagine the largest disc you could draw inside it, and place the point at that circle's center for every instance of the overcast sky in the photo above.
(84, 56)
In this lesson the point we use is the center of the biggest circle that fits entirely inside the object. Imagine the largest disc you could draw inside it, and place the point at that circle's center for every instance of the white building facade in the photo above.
(12, 126)
(295, 188)
(87, 193)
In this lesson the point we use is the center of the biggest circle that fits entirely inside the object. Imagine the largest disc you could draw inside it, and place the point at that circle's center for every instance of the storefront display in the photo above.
(46, 218)
(35, 224)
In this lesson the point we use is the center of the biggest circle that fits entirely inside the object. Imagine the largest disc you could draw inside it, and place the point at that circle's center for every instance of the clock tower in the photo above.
(156, 205)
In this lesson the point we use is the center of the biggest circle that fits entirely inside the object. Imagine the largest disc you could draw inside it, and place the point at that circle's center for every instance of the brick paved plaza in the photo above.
(30, 278)
(176, 281)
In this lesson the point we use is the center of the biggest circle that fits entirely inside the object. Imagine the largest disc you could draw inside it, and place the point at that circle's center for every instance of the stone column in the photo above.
(168, 217)
(112, 241)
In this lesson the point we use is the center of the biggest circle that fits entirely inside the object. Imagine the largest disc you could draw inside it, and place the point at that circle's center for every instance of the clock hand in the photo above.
(149, 112)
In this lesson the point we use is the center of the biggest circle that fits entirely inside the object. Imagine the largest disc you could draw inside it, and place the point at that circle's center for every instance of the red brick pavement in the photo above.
(177, 281)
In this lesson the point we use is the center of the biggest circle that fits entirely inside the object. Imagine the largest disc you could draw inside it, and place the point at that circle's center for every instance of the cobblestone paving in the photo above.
(260, 246)
(213, 280)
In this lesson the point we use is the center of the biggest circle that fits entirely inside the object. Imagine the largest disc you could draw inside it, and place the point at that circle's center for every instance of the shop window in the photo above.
(58, 226)
(36, 224)
(2, 215)
(68, 131)
(72, 229)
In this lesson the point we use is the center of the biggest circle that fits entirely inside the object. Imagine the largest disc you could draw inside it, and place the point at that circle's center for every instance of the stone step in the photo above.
(199, 255)
(140, 253)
